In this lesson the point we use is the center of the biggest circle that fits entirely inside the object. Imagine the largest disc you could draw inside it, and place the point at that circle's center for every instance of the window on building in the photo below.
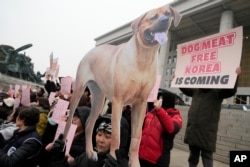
(168, 71)
(241, 99)
(169, 60)
(174, 59)
(172, 70)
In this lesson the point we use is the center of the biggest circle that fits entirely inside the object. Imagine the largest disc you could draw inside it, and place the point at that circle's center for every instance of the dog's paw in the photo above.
(92, 155)
(134, 162)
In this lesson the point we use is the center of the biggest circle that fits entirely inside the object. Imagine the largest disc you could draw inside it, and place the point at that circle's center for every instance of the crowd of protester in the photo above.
(49, 151)
(28, 133)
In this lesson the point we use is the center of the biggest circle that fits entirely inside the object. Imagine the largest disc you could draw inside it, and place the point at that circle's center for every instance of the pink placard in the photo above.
(17, 88)
(11, 91)
(153, 94)
(25, 100)
(51, 97)
(60, 128)
(16, 103)
(70, 137)
(66, 85)
(57, 71)
(59, 110)
(51, 60)
(54, 64)
(24, 87)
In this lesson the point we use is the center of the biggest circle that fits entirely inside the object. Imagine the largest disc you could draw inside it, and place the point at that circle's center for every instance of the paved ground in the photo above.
(179, 159)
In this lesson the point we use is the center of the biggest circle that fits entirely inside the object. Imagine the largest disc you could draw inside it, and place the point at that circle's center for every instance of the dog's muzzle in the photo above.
(157, 33)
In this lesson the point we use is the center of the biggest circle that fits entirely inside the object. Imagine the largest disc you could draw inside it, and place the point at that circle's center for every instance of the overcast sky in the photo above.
(65, 27)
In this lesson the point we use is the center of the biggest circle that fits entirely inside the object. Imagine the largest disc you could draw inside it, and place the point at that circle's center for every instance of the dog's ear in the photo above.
(177, 16)
(136, 23)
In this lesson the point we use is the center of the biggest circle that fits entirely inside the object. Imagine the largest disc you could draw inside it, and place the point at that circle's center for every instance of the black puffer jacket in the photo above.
(83, 160)
(22, 149)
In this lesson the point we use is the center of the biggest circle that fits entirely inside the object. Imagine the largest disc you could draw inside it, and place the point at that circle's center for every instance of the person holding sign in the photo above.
(203, 119)
(57, 149)
(102, 143)
(161, 124)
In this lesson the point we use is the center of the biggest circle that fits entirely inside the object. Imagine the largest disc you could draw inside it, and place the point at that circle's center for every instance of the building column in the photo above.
(226, 21)
(162, 58)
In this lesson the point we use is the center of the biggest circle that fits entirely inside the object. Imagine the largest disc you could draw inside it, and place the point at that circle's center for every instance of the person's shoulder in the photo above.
(173, 111)
(33, 140)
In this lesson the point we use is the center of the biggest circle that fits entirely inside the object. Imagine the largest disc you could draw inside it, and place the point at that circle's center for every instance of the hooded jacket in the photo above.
(43, 118)
(83, 160)
(159, 129)
(78, 144)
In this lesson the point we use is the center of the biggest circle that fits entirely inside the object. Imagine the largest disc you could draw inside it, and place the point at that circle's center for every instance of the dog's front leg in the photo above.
(97, 105)
(115, 121)
(137, 118)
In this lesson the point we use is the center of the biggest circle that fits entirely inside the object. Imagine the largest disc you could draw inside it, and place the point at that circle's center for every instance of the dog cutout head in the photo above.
(152, 27)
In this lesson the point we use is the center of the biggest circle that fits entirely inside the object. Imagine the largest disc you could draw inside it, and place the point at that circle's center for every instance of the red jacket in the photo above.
(159, 129)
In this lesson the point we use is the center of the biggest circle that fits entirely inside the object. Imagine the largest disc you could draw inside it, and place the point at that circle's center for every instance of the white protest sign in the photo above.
(209, 62)
(25, 99)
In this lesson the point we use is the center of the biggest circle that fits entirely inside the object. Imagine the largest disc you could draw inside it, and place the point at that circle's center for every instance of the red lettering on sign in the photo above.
(208, 68)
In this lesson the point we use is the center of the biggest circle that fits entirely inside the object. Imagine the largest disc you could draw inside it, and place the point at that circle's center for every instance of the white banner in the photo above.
(209, 62)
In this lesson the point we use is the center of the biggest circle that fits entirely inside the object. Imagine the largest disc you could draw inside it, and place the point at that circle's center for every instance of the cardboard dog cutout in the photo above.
(125, 74)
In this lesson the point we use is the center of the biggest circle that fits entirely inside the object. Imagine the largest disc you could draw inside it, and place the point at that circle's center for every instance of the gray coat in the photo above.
(204, 115)
(7, 129)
